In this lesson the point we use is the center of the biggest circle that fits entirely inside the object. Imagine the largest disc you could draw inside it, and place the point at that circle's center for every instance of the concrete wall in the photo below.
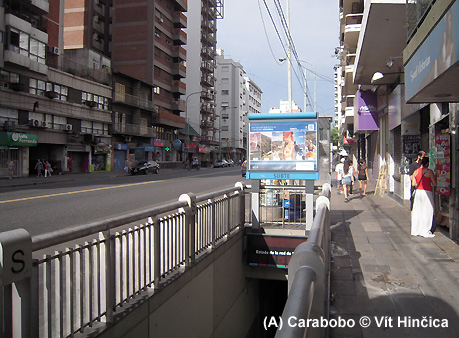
(211, 299)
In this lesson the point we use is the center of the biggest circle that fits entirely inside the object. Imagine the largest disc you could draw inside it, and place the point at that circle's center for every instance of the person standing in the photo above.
(423, 206)
(413, 166)
(362, 176)
(348, 178)
(339, 174)
(39, 167)
(10, 169)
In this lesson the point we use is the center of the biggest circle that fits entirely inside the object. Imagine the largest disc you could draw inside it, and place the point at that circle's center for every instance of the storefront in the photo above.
(100, 158)
(431, 78)
(15, 147)
(78, 158)
(120, 155)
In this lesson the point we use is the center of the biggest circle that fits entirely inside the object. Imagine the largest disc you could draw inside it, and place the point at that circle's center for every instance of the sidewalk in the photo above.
(380, 271)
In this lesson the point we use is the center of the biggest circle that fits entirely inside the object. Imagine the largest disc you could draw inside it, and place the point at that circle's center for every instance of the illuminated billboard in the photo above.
(283, 146)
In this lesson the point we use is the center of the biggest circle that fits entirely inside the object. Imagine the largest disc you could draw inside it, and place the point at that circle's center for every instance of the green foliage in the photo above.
(336, 137)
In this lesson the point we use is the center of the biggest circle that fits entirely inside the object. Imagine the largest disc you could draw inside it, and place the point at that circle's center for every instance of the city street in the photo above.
(42, 205)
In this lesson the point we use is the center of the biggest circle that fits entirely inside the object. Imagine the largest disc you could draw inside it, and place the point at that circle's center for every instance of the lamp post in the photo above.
(187, 129)
(305, 83)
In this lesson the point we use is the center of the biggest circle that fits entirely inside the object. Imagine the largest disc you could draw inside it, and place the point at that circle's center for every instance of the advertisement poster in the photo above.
(283, 146)
(443, 156)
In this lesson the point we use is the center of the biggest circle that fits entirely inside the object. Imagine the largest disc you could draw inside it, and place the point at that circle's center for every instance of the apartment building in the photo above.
(231, 95)
(200, 110)
(47, 111)
(149, 64)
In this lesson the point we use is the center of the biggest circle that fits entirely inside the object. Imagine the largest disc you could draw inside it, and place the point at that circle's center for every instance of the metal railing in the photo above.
(309, 277)
(282, 206)
(80, 277)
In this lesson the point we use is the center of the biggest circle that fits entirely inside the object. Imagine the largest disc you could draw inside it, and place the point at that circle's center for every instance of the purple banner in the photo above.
(365, 104)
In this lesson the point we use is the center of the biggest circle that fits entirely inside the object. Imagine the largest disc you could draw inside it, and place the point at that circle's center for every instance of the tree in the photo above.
(336, 137)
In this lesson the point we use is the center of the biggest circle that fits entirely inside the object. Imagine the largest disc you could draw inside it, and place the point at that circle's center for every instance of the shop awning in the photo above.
(18, 139)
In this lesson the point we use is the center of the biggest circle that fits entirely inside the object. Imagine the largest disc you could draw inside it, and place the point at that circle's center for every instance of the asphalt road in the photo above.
(47, 207)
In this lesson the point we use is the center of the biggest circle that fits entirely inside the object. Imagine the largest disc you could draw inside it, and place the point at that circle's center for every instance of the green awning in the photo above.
(18, 139)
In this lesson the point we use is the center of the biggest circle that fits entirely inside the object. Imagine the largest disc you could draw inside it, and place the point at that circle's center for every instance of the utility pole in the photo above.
(289, 57)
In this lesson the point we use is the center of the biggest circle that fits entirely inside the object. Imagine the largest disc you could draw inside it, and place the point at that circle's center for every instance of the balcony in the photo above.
(352, 29)
(42, 5)
(207, 53)
(179, 36)
(169, 119)
(134, 101)
(179, 20)
(178, 105)
(134, 130)
(207, 81)
(179, 52)
(182, 4)
(179, 69)
(178, 87)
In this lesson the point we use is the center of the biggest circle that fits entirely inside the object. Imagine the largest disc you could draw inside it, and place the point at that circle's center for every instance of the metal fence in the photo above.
(309, 276)
(83, 276)
(282, 206)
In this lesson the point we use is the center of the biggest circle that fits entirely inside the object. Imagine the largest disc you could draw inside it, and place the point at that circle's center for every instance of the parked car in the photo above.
(145, 168)
(230, 162)
(220, 164)
(244, 168)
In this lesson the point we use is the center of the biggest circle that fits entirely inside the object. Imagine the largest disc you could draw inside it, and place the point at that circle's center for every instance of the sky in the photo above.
(315, 32)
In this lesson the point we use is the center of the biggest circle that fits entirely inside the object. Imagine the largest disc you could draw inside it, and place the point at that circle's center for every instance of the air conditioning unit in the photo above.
(68, 127)
(52, 94)
(91, 104)
(128, 138)
(34, 123)
(53, 50)
(18, 87)
(43, 124)
(97, 139)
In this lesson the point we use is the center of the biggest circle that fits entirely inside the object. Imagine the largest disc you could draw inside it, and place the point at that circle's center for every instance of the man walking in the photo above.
(39, 167)
(339, 170)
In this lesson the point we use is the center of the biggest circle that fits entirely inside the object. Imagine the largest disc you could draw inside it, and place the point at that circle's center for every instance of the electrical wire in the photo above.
(266, 34)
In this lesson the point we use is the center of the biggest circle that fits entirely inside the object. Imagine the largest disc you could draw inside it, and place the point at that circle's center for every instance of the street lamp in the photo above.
(305, 82)
(187, 129)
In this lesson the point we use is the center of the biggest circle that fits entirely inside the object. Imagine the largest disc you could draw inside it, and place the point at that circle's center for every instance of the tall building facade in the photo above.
(230, 100)
(200, 107)
(50, 109)
(149, 64)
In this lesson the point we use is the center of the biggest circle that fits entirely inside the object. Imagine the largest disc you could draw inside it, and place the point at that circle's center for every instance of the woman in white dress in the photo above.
(423, 206)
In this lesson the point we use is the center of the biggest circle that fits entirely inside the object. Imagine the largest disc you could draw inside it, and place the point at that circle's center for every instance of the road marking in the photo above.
(78, 192)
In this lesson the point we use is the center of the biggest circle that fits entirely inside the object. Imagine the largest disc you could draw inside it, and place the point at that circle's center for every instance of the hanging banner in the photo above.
(443, 157)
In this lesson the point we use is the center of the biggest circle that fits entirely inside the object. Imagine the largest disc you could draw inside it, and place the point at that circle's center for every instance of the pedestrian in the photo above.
(10, 169)
(48, 169)
(339, 175)
(413, 166)
(348, 178)
(362, 175)
(423, 207)
(39, 167)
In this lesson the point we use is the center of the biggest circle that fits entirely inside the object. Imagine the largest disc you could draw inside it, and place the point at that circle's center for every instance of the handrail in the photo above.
(308, 274)
(106, 266)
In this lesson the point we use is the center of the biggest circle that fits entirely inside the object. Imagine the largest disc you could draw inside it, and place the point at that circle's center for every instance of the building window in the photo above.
(224, 128)
(156, 90)
(225, 69)
(225, 92)
(225, 80)
(94, 101)
(37, 87)
(23, 44)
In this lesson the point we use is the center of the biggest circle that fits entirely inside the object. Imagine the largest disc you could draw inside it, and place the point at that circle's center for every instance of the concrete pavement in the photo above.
(396, 284)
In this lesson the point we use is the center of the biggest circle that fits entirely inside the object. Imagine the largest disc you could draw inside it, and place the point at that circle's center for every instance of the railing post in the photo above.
(109, 274)
(228, 214)
(16, 282)
(156, 252)
(213, 221)
(241, 218)
(190, 225)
